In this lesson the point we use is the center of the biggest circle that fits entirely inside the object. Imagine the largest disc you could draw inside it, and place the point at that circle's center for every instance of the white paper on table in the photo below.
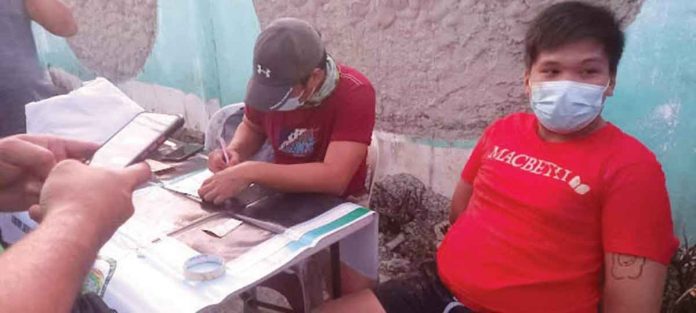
(189, 185)
(161, 287)
(93, 112)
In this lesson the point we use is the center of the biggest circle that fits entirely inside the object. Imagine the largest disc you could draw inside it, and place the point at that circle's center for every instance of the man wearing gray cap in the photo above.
(317, 115)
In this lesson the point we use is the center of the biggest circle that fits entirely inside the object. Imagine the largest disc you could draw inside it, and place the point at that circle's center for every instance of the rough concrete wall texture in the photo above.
(115, 38)
(203, 47)
(442, 68)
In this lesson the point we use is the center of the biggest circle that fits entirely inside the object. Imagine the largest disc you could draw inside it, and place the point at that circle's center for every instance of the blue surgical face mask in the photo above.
(565, 106)
(291, 103)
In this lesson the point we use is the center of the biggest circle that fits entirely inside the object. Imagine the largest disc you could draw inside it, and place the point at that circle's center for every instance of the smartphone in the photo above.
(132, 143)
(182, 153)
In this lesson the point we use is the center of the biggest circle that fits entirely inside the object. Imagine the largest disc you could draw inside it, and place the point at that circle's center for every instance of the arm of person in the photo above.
(43, 272)
(465, 186)
(247, 140)
(460, 199)
(638, 238)
(332, 176)
(53, 15)
(632, 284)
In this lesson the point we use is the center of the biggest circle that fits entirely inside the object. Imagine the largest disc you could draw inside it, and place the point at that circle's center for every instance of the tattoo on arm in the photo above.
(627, 266)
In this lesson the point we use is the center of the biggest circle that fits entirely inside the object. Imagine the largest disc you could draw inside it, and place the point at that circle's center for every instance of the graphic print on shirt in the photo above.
(537, 166)
(298, 142)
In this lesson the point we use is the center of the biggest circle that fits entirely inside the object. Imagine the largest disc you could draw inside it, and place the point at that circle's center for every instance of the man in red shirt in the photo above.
(317, 115)
(556, 211)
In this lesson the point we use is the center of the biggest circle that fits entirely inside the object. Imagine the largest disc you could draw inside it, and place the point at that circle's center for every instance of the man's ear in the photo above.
(612, 85)
(527, 88)
(312, 85)
(316, 79)
(317, 76)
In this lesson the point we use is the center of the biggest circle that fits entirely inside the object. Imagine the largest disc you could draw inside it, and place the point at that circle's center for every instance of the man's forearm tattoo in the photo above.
(626, 266)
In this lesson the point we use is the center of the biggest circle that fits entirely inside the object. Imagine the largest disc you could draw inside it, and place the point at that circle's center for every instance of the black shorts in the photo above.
(420, 293)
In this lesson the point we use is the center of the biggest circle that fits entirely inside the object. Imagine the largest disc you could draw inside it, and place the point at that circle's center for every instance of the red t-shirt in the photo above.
(542, 215)
(303, 136)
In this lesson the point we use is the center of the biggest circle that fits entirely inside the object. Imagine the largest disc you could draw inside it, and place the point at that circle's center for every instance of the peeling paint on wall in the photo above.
(115, 38)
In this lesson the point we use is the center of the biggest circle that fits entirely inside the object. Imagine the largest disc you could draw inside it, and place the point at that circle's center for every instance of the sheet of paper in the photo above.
(189, 185)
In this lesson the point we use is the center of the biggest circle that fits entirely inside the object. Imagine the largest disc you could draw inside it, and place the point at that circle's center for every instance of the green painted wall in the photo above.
(202, 47)
(655, 98)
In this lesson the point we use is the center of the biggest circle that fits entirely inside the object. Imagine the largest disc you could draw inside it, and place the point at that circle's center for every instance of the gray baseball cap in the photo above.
(286, 52)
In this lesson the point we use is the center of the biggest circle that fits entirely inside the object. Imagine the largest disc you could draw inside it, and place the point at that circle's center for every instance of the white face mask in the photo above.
(330, 82)
(291, 104)
(565, 106)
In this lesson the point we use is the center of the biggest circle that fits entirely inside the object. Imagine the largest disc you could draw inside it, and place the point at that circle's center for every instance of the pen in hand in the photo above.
(224, 150)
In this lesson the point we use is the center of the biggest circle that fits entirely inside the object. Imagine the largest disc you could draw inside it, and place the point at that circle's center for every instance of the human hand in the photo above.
(101, 198)
(216, 160)
(224, 184)
(25, 162)
(53, 15)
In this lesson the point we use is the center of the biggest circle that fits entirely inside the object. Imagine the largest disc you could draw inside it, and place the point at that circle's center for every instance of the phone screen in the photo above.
(141, 135)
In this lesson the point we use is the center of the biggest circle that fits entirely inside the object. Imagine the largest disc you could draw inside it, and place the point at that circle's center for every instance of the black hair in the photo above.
(572, 21)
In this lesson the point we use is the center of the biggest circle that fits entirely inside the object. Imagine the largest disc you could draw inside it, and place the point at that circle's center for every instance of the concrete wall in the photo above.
(176, 56)
(444, 68)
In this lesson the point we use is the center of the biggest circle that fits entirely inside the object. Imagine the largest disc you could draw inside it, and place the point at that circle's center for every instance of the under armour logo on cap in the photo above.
(265, 71)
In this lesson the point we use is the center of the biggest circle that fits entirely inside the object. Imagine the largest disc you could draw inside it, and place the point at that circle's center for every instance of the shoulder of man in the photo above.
(354, 93)
(628, 150)
(353, 78)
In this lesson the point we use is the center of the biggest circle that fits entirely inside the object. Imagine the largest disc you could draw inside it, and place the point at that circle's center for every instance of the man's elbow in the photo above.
(338, 185)
(337, 189)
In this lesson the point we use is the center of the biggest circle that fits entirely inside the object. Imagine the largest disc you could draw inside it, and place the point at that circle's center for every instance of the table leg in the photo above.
(335, 270)
(249, 300)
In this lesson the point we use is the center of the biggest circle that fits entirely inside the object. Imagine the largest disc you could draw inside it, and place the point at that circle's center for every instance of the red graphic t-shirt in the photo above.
(303, 136)
(542, 215)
